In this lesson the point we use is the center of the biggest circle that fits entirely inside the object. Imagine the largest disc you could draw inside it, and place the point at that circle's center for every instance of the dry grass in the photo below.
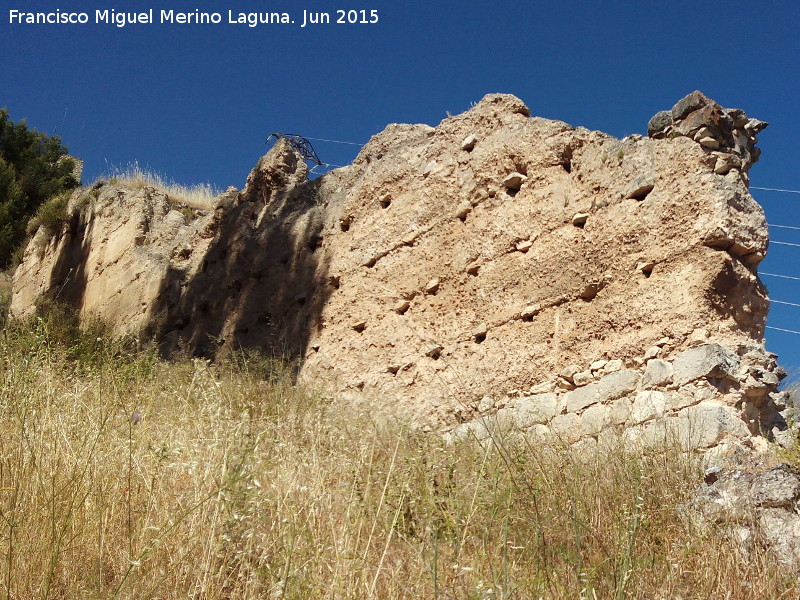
(122, 476)
(200, 196)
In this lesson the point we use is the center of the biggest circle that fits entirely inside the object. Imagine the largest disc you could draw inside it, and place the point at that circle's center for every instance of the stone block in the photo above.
(539, 433)
(705, 360)
(778, 487)
(569, 372)
(597, 365)
(658, 373)
(594, 419)
(620, 411)
(567, 428)
(709, 142)
(705, 424)
(652, 352)
(543, 388)
(648, 405)
(689, 103)
(658, 122)
(782, 529)
(533, 410)
(616, 385)
(584, 449)
(477, 429)
(697, 337)
(580, 398)
(486, 404)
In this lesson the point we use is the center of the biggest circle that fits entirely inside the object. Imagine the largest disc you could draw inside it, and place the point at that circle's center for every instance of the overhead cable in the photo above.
(334, 141)
(753, 187)
(782, 329)
(786, 303)
(781, 276)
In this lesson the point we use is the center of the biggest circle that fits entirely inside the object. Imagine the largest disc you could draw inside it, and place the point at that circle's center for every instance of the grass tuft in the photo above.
(200, 196)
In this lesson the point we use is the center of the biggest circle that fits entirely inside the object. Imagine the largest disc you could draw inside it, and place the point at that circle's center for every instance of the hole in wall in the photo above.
(314, 242)
(642, 192)
(565, 158)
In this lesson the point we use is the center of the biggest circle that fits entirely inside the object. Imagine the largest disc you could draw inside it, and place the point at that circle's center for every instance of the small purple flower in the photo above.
(136, 417)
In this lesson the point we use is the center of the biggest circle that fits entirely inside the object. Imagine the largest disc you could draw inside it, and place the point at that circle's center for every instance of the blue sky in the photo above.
(196, 102)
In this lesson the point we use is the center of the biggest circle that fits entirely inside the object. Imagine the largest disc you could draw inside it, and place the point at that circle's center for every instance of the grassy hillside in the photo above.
(122, 476)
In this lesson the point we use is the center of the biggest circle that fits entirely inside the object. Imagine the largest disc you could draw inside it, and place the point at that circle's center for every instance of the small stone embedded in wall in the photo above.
(514, 181)
(468, 143)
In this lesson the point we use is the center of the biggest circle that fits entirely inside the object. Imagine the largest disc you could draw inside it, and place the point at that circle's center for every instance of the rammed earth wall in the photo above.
(497, 255)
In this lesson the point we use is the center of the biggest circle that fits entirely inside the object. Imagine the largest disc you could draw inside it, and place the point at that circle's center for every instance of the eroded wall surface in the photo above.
(456, 273)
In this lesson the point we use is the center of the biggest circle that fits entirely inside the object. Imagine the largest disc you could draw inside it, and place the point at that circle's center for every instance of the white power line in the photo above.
(753, 187)
(782, 329)
(781, 276)
(333, 141)
(784, 302)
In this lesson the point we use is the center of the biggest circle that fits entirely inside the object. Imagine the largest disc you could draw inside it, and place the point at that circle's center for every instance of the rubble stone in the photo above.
(706, 360)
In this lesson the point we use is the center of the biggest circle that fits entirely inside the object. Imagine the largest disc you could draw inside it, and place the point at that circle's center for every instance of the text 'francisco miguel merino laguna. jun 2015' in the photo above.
(172, 17)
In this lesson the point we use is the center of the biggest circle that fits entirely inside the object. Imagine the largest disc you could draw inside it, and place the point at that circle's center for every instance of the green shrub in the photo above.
(52, 215)
(33, 168)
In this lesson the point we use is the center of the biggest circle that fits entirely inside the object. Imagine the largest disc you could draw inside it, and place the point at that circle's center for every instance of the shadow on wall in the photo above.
(68, 279)
(263, 283)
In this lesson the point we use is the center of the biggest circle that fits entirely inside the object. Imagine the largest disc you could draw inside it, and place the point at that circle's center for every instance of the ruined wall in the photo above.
(453, 271)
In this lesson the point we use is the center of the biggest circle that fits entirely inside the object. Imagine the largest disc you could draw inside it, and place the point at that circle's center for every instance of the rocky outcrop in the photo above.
(753, 505)
(497, 255)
